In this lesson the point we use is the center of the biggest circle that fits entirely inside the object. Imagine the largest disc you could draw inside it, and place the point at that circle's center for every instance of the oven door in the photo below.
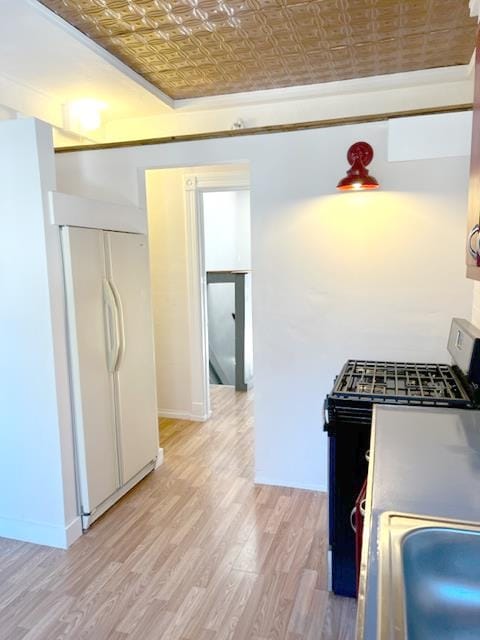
(348, 468)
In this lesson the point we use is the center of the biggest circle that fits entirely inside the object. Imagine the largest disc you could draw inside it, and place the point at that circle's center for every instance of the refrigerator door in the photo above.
(91, 323)
(129, 275)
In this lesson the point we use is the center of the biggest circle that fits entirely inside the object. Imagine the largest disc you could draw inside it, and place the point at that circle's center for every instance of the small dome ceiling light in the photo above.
(359, 157)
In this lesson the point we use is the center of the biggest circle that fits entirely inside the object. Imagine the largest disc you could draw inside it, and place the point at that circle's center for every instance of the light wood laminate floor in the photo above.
(195, 552)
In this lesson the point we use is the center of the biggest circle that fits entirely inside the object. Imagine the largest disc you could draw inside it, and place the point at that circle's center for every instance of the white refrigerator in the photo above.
(107, 284)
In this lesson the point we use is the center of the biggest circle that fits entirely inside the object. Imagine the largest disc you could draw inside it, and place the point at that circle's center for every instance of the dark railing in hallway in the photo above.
(241, 316)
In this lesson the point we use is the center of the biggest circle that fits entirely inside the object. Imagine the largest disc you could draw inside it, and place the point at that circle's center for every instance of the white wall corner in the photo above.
(475, 8)
(160, 458)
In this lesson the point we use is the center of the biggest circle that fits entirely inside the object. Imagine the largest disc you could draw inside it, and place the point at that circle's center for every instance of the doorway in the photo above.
(199, 233)
(227, 251)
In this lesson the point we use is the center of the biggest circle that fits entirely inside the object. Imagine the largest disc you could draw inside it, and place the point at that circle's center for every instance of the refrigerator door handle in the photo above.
(112, 322)
(120, 325)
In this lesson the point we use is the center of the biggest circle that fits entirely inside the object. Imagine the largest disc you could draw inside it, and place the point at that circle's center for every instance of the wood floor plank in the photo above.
(233, 618)
(339, 621)
(196, 551)
(303, 600)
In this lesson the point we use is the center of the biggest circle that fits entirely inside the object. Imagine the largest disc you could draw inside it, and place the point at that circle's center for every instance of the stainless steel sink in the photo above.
(429, 579)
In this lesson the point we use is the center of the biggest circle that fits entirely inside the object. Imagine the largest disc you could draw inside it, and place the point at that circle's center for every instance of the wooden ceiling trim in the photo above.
(280, 128)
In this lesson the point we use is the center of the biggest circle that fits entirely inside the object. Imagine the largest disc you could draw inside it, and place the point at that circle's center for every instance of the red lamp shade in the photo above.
(359, 156)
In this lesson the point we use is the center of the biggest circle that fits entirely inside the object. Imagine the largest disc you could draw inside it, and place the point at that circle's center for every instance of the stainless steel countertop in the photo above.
(425, 462)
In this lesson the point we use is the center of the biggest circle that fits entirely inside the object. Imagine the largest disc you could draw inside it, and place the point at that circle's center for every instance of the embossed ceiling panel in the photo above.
(192, 48)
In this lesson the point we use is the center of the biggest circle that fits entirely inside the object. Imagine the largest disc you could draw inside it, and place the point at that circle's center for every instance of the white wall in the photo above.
(337, 276)
(37, 490)
(168, 246)
(226, 219)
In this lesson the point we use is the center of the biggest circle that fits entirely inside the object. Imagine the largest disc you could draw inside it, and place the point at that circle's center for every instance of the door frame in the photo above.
(195, 185)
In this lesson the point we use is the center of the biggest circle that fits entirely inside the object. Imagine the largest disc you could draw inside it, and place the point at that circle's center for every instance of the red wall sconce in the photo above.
(359, 156)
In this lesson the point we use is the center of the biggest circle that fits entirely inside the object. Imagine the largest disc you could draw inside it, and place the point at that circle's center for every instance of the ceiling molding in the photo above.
(356, 100)
(341, 87)
(101, 52)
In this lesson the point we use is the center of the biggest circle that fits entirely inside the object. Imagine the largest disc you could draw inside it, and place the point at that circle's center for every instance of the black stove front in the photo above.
(348, 416)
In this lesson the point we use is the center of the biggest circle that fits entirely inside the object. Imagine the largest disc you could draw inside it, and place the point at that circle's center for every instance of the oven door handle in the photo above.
(473, 252)
(326, 417)
(352, 519)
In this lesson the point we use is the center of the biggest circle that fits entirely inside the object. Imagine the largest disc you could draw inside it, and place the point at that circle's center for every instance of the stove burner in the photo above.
(397, 381)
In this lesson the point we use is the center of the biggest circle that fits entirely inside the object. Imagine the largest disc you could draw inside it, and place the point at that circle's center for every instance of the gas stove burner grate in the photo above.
(364, 379)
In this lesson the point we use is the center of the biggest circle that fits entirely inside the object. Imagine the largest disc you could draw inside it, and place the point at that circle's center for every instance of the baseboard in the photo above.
(159, 461)
(179, 415)
(41, 533)
(73, 531)
(290, 484)
(175, 415)
(199, 412)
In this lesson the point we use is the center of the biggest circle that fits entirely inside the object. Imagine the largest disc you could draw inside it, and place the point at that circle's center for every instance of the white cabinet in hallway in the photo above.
(112, 363)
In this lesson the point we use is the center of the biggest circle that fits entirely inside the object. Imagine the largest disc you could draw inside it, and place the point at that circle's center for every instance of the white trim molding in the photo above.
(41, 533)
(474, 7)
(182, 415)
(195, 184)
(160, 458)
(218, 181)
(197, 302)
(291, 484)
(74, 531)
(76, 211)
(354, 86)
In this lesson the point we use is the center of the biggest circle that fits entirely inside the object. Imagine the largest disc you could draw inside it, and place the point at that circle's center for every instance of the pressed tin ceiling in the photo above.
(193, 48)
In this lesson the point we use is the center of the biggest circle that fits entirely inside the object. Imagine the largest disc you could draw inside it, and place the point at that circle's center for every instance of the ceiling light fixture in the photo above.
(359, 157)
(84, 115)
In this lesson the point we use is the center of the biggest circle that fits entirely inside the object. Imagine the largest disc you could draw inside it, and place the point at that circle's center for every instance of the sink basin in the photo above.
(429, 579)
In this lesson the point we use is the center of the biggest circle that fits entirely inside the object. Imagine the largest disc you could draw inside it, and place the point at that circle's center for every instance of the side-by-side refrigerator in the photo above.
(112, 364)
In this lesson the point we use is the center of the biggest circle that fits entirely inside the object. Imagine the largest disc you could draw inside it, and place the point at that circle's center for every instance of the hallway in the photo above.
(195, 552)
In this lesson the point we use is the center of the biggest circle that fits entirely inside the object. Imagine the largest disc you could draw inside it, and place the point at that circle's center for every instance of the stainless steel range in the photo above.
(348, 416)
